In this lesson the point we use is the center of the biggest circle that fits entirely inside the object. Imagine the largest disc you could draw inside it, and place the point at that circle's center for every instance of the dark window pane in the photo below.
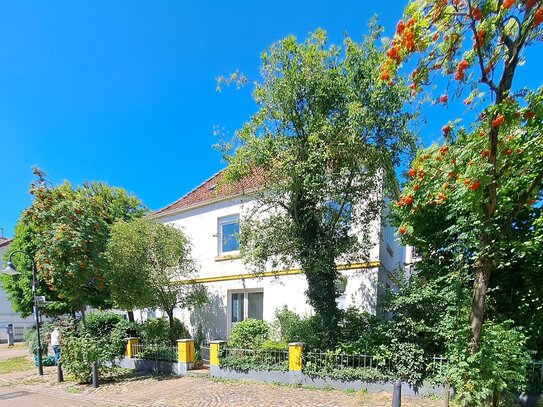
(256, 305)
(237, 307)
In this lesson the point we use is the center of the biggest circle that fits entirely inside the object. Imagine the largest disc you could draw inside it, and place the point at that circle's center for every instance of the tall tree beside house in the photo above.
(65, 230)
(324, 141)
(150, 265)
(484, 175)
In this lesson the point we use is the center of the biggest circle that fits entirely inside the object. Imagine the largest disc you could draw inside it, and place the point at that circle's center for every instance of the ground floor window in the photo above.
(243, 304)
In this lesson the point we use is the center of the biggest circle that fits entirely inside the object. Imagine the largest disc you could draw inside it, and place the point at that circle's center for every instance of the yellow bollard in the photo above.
(214, 348)
(130, 342)
(185, 350)
(295, 356)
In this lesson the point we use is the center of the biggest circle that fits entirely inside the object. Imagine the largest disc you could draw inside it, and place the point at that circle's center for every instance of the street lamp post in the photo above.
(10, 270)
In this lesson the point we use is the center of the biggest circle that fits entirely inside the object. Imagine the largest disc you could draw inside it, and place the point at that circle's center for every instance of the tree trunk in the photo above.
(83, 316)
(317, 260)
(495, 399)
(130, 316)
(483, 268)
(321, 273)
(173, 339)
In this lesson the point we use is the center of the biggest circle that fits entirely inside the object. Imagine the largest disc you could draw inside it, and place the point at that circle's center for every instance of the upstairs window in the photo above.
(228, 234)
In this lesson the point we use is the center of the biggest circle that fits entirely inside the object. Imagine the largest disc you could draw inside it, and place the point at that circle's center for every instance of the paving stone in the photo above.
(142, 390)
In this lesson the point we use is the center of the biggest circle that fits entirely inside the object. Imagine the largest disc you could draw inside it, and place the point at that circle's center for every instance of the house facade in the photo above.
(7, 316)
(209, 216)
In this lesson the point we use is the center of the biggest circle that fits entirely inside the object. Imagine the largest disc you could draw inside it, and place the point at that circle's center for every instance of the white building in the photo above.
(209, 215)
(7, 316)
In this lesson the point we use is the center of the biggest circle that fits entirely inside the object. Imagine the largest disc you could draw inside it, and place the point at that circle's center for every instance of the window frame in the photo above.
(222, 221)
(245, 292)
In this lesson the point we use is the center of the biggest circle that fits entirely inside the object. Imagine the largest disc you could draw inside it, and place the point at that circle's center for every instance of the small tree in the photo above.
(147, 261)
(324, 143)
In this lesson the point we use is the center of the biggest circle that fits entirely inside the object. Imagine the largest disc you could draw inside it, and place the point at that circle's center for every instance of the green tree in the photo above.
(483, 176)
(324, 142)
(149, 266)
(65, 230)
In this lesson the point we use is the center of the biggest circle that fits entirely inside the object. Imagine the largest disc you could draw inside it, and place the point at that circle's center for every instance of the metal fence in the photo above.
(536, 372)
(204, 354)
(267, 359)
(322, 360)
(162, 353)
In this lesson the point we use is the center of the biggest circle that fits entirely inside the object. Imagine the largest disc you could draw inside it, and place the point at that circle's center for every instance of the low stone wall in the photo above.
(154, 366)
(269, 376)
(306, 380)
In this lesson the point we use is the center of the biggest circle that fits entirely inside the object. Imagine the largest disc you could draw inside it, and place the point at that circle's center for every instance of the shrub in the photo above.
(289, 323)
(248, 334)
(357, 332)
(110, 327)
(268, 344)
(157, 331)
(404, 361)
(500, 365)
(31, 338)
(293, 328)
(80, 350)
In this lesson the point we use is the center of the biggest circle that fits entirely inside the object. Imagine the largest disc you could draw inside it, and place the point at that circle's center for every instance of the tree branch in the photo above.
(523, 198)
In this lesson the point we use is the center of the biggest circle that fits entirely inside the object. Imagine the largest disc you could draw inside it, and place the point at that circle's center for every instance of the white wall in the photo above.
(201, 226)
(7, 316)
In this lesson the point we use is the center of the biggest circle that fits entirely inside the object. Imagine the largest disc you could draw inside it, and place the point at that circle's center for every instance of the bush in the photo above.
(289, 323)
(80, 350)
(100, 339)
(248, 334)
(293, 328)
(357, 332)
(31, 338)
(268, 344)
(110, 327)
(157, 331)
(404, 361)
(500, 365)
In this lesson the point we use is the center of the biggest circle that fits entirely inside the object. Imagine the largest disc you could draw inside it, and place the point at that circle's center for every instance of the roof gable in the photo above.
(211, 190)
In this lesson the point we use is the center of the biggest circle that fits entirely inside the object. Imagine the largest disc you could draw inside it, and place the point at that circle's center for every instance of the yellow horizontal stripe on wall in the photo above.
(203, 280)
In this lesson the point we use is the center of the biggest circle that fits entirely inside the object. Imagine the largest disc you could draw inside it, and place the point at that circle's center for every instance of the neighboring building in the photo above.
(7, 316)
(209, 216)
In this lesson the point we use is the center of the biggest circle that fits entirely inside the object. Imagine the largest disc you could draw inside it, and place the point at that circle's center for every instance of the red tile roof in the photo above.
(5, 242)
(211, 190)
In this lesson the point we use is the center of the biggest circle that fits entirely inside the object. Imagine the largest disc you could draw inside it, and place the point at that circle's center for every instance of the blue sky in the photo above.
(124, 92)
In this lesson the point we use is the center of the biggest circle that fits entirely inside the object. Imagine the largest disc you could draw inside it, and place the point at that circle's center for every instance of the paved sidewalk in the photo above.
(28, 389)
(136, 390)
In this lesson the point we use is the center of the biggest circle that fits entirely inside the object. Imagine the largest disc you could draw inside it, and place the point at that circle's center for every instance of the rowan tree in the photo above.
(65, 230)
(483, 175)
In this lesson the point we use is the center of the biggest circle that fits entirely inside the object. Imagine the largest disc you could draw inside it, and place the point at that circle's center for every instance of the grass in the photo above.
(17, 364)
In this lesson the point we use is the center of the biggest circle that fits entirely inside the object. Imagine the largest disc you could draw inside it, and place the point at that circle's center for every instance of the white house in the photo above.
(209, 215)
(7, 316)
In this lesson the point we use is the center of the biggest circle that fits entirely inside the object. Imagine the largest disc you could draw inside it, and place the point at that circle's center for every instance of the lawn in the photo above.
(17, 364)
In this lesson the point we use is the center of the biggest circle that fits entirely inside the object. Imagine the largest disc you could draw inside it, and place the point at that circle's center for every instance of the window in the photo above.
(228, 234)
(244, 304)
